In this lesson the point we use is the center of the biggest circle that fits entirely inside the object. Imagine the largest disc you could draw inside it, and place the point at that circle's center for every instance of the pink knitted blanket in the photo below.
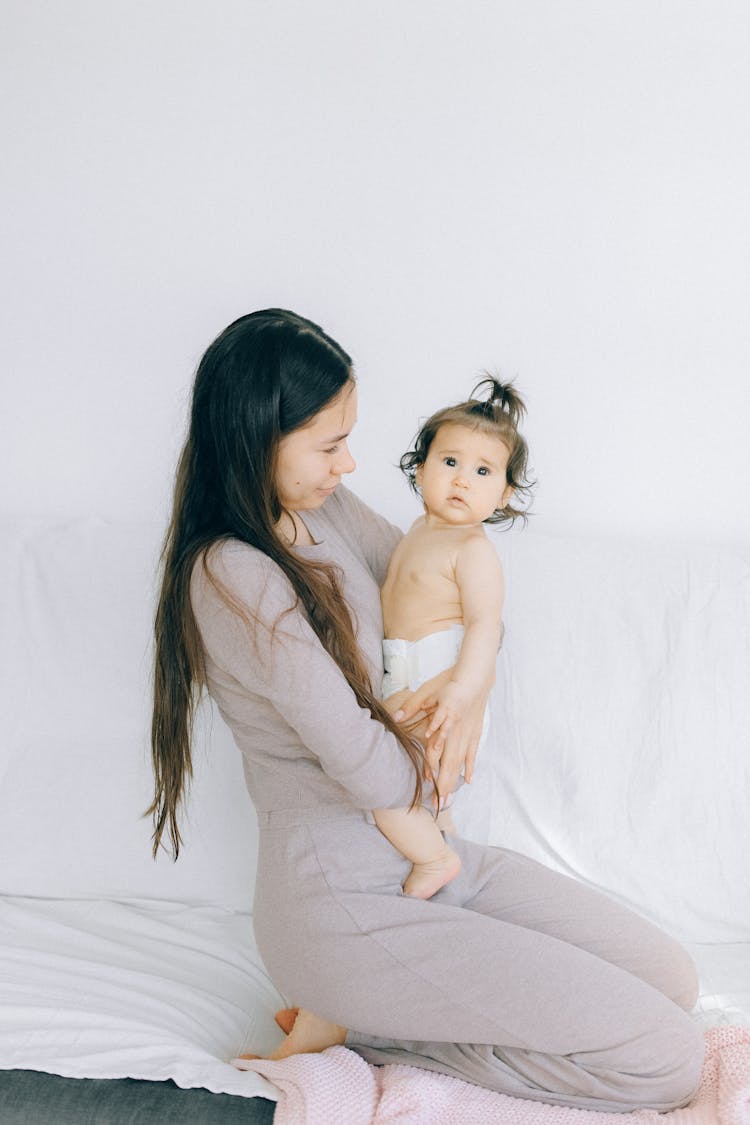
(338, 1087)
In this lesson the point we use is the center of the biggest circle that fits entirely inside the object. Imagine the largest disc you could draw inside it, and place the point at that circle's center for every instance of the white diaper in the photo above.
(409, 663)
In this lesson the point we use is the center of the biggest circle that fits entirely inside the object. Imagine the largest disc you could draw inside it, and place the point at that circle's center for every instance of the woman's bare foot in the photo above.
(285, 1019)
(426, 879)
(307, 1034)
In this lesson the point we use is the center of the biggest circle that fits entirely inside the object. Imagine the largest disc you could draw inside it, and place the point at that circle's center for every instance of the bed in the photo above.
(622, 728)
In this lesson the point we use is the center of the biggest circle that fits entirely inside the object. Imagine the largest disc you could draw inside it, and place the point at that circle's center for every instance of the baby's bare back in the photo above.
(420, 594)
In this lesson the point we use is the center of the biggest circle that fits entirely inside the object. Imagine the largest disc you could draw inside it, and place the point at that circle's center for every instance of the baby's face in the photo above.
(463, 479)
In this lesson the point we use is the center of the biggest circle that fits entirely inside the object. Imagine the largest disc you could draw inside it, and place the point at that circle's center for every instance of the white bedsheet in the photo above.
(98, 989)
(154, 990)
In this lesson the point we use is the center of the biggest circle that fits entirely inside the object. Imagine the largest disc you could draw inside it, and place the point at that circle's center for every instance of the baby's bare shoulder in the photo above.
(473, 540)
(476, 550)
(424, 554)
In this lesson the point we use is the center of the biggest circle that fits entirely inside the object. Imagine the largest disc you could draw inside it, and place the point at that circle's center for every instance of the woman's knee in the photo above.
(690, 987)
(680, 1074)
(682, 984)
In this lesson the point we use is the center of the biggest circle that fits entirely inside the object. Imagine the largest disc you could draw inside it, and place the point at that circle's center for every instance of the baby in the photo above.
(443, 594)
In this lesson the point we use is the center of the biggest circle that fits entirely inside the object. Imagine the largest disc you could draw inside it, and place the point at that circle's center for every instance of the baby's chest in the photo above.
(426, 571)
(419, 597)
(433, 589)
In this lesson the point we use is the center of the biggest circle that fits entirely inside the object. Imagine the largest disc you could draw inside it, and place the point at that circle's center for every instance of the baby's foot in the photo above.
(426, 879)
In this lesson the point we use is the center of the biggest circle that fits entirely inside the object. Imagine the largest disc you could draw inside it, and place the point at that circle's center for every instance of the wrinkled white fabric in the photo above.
(96, 989)
(622, 720)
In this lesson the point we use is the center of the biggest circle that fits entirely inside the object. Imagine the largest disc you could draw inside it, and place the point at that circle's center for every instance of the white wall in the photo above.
(556, 190)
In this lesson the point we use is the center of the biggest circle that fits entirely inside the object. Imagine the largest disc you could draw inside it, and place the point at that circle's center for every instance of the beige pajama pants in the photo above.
(513, 977)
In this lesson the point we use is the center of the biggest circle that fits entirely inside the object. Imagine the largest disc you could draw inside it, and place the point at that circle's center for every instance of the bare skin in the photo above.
(306, 1034)
(426, 878)
(445, 572)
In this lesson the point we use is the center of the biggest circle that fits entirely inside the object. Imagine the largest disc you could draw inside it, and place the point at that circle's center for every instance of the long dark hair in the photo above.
(266, 375)
(499, 414)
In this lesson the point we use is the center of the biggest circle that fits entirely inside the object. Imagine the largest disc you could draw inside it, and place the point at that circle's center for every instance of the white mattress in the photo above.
(154, 990)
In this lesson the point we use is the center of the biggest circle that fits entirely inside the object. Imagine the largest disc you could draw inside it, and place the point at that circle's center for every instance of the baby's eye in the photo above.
(450, 462)
(483, 471)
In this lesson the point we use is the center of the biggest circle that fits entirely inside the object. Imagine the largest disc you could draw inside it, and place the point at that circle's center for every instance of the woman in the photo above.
(512, 976)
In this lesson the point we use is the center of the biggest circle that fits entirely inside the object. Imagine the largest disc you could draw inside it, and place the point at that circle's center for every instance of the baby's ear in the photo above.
(418, 474)
(506, 496)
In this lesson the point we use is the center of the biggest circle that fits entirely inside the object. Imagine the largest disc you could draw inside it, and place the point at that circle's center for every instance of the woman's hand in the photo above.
(453, 726)
(452, 746)
(413, 709)
(407, 706)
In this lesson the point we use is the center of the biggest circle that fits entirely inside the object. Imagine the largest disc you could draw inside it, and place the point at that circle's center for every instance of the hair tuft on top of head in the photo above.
(500, 398)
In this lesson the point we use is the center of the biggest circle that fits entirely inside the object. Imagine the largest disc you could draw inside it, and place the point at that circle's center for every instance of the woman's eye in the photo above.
(333, 449)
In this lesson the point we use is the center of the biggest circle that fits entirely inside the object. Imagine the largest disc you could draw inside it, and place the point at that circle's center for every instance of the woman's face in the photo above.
(313, 459)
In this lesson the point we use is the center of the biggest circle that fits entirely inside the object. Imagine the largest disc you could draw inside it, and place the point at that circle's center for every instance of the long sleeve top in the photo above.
(304, 738)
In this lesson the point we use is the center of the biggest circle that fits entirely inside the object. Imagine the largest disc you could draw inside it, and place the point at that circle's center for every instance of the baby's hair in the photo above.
(498, 414)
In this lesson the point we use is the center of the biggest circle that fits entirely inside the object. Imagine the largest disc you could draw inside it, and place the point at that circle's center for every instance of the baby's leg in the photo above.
(417, 836)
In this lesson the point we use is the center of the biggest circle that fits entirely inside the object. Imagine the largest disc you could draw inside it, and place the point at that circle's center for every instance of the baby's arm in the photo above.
(479, 577)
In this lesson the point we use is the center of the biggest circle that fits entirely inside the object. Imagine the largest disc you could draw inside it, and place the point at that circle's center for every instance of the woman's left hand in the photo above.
(454, 728)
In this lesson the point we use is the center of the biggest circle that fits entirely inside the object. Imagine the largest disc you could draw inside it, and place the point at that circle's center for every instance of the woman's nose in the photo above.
(345, 463)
